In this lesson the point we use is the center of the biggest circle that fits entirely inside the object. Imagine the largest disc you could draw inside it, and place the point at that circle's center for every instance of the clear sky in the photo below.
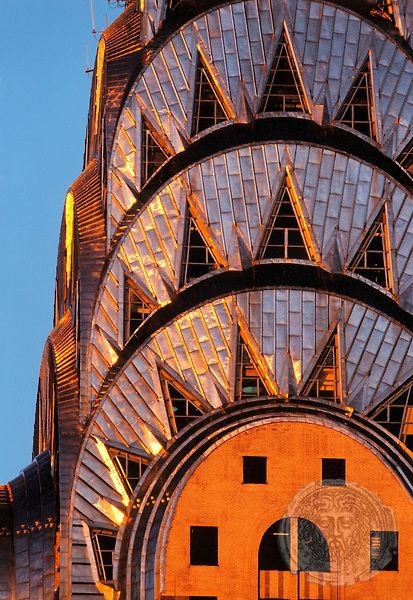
(44, 99)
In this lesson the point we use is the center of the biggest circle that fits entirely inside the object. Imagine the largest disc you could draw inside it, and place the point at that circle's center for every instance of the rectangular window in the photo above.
(203, 545)
(334, 471)
(384, 552)
(254, 469)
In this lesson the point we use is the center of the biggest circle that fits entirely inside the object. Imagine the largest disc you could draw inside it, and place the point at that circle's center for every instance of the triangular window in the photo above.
(249, 382)
(283, 91)
(153, 154)
(372, 260)
(208, 107)
(135, 309)
(324, 381)
(180, 409)
(283, 237)
(405, 158)
(130, 469)
(357, 110)
(197, 259)
(397, 416)
(103, 544)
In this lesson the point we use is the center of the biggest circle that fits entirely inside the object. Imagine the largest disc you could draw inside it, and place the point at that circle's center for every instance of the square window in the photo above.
(203, 545)
(254, 469)
(333, 471)
(384, 552)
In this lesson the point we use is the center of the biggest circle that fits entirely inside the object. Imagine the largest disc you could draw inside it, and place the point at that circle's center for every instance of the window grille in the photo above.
(130, 469)
(248, 382)
(180, 409)
(283, 237)
(357, 110)
(283, 90)
(103, 543)
(153, 155)
(208, 108)
(197, 258)
(405, 158)
(397, 416)
(324, 381)
(135, 310)
(372, 260)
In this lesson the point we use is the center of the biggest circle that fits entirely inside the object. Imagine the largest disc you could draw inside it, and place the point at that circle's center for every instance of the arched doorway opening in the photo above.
(292, 556)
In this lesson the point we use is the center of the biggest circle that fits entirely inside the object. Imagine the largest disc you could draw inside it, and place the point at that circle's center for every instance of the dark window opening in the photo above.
(197, 258)
(203, 545)
(275, 548)
(103, 543)
(372, 261)
(397, 416)
(180, 409)
(135, 310)
(283, 90)
(357, 109)
(254, 469)
(324, 381)
(153, 154)
(274, 551)
(130, 469)
(248, 382)
(384, 551)
(283, 237)
(405, 158)
(208, 108)
(333, 471)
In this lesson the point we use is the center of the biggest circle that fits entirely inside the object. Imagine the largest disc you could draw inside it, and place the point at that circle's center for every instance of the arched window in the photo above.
(290, 546)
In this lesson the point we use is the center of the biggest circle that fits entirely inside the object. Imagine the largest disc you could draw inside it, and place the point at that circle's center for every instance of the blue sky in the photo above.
(44, 96)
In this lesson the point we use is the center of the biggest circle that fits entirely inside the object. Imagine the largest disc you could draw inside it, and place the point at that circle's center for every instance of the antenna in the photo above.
(88, 69)
(92, 13)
